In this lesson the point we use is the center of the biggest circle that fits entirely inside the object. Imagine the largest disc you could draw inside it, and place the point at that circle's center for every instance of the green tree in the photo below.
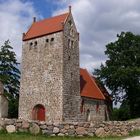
(121, 72)
(122, 113)
(9, 76)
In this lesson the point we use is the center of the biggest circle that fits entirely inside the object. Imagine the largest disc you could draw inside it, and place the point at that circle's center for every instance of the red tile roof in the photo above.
(88, 86)
(46, 26)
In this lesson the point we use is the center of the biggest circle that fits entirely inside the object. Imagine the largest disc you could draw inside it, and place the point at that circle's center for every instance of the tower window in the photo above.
(52, 39)
(47, 40)
(69, 43)
(72, 42)
(31, 43)
(69, 58)
(35, 43)
(70, 22)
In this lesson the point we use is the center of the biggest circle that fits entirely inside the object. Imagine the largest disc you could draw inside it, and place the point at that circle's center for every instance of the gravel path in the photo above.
(133, 138)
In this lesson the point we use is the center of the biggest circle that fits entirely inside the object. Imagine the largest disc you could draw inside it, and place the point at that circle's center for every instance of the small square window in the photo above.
(72, 42)
(47, 40)
(69, 43)
(70, 22)
(52, 39)
(69, 58)
(35, 43)
(31, 43)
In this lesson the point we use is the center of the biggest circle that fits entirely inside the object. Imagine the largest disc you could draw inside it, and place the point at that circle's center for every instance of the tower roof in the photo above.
(46, 26)
(88, 86)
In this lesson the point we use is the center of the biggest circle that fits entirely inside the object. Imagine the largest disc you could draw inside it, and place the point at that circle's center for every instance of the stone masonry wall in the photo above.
(100, 129)
(42, 76)
(71, 76)
(94, 110)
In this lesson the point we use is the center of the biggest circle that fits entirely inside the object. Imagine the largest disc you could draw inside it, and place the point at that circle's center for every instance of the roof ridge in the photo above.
(51, 17)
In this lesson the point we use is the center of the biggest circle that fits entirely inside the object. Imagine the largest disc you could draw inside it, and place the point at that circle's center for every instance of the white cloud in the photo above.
(99, 21)
(15, 17)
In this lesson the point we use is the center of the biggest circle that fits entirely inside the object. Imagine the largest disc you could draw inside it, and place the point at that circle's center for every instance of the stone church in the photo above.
(50, 77)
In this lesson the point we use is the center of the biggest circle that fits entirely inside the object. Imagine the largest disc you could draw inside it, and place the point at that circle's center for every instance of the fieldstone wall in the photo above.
(100, 129)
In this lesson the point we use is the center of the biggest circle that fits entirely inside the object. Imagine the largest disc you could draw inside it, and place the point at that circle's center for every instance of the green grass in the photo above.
(27, 136)
(18, 136)
(135, 133)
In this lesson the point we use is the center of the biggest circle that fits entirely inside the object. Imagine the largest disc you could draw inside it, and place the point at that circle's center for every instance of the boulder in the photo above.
(71, 126)
(43, 126)
(25, 124)
(63, 131)
(71, 132)
(55, 130)
(47, 132)
(81, 131)
(61, 134)
(34, 129)
(10, 128)
(66, 126)
(100, 132)
(50, 127)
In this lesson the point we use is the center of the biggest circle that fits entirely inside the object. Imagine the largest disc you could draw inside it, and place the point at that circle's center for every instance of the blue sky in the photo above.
(44, 7)
(98, 22)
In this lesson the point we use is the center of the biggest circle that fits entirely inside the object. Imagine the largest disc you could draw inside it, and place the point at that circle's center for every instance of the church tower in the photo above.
(50, 80)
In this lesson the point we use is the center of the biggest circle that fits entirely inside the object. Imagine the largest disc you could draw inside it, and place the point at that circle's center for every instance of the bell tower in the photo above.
(50, 80)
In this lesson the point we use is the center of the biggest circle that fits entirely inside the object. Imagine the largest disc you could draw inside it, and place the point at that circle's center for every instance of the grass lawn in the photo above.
(24, 136)
(39, 137)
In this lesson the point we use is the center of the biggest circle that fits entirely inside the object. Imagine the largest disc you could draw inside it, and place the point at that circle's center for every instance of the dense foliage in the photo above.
(9, 76)
(121, 72)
